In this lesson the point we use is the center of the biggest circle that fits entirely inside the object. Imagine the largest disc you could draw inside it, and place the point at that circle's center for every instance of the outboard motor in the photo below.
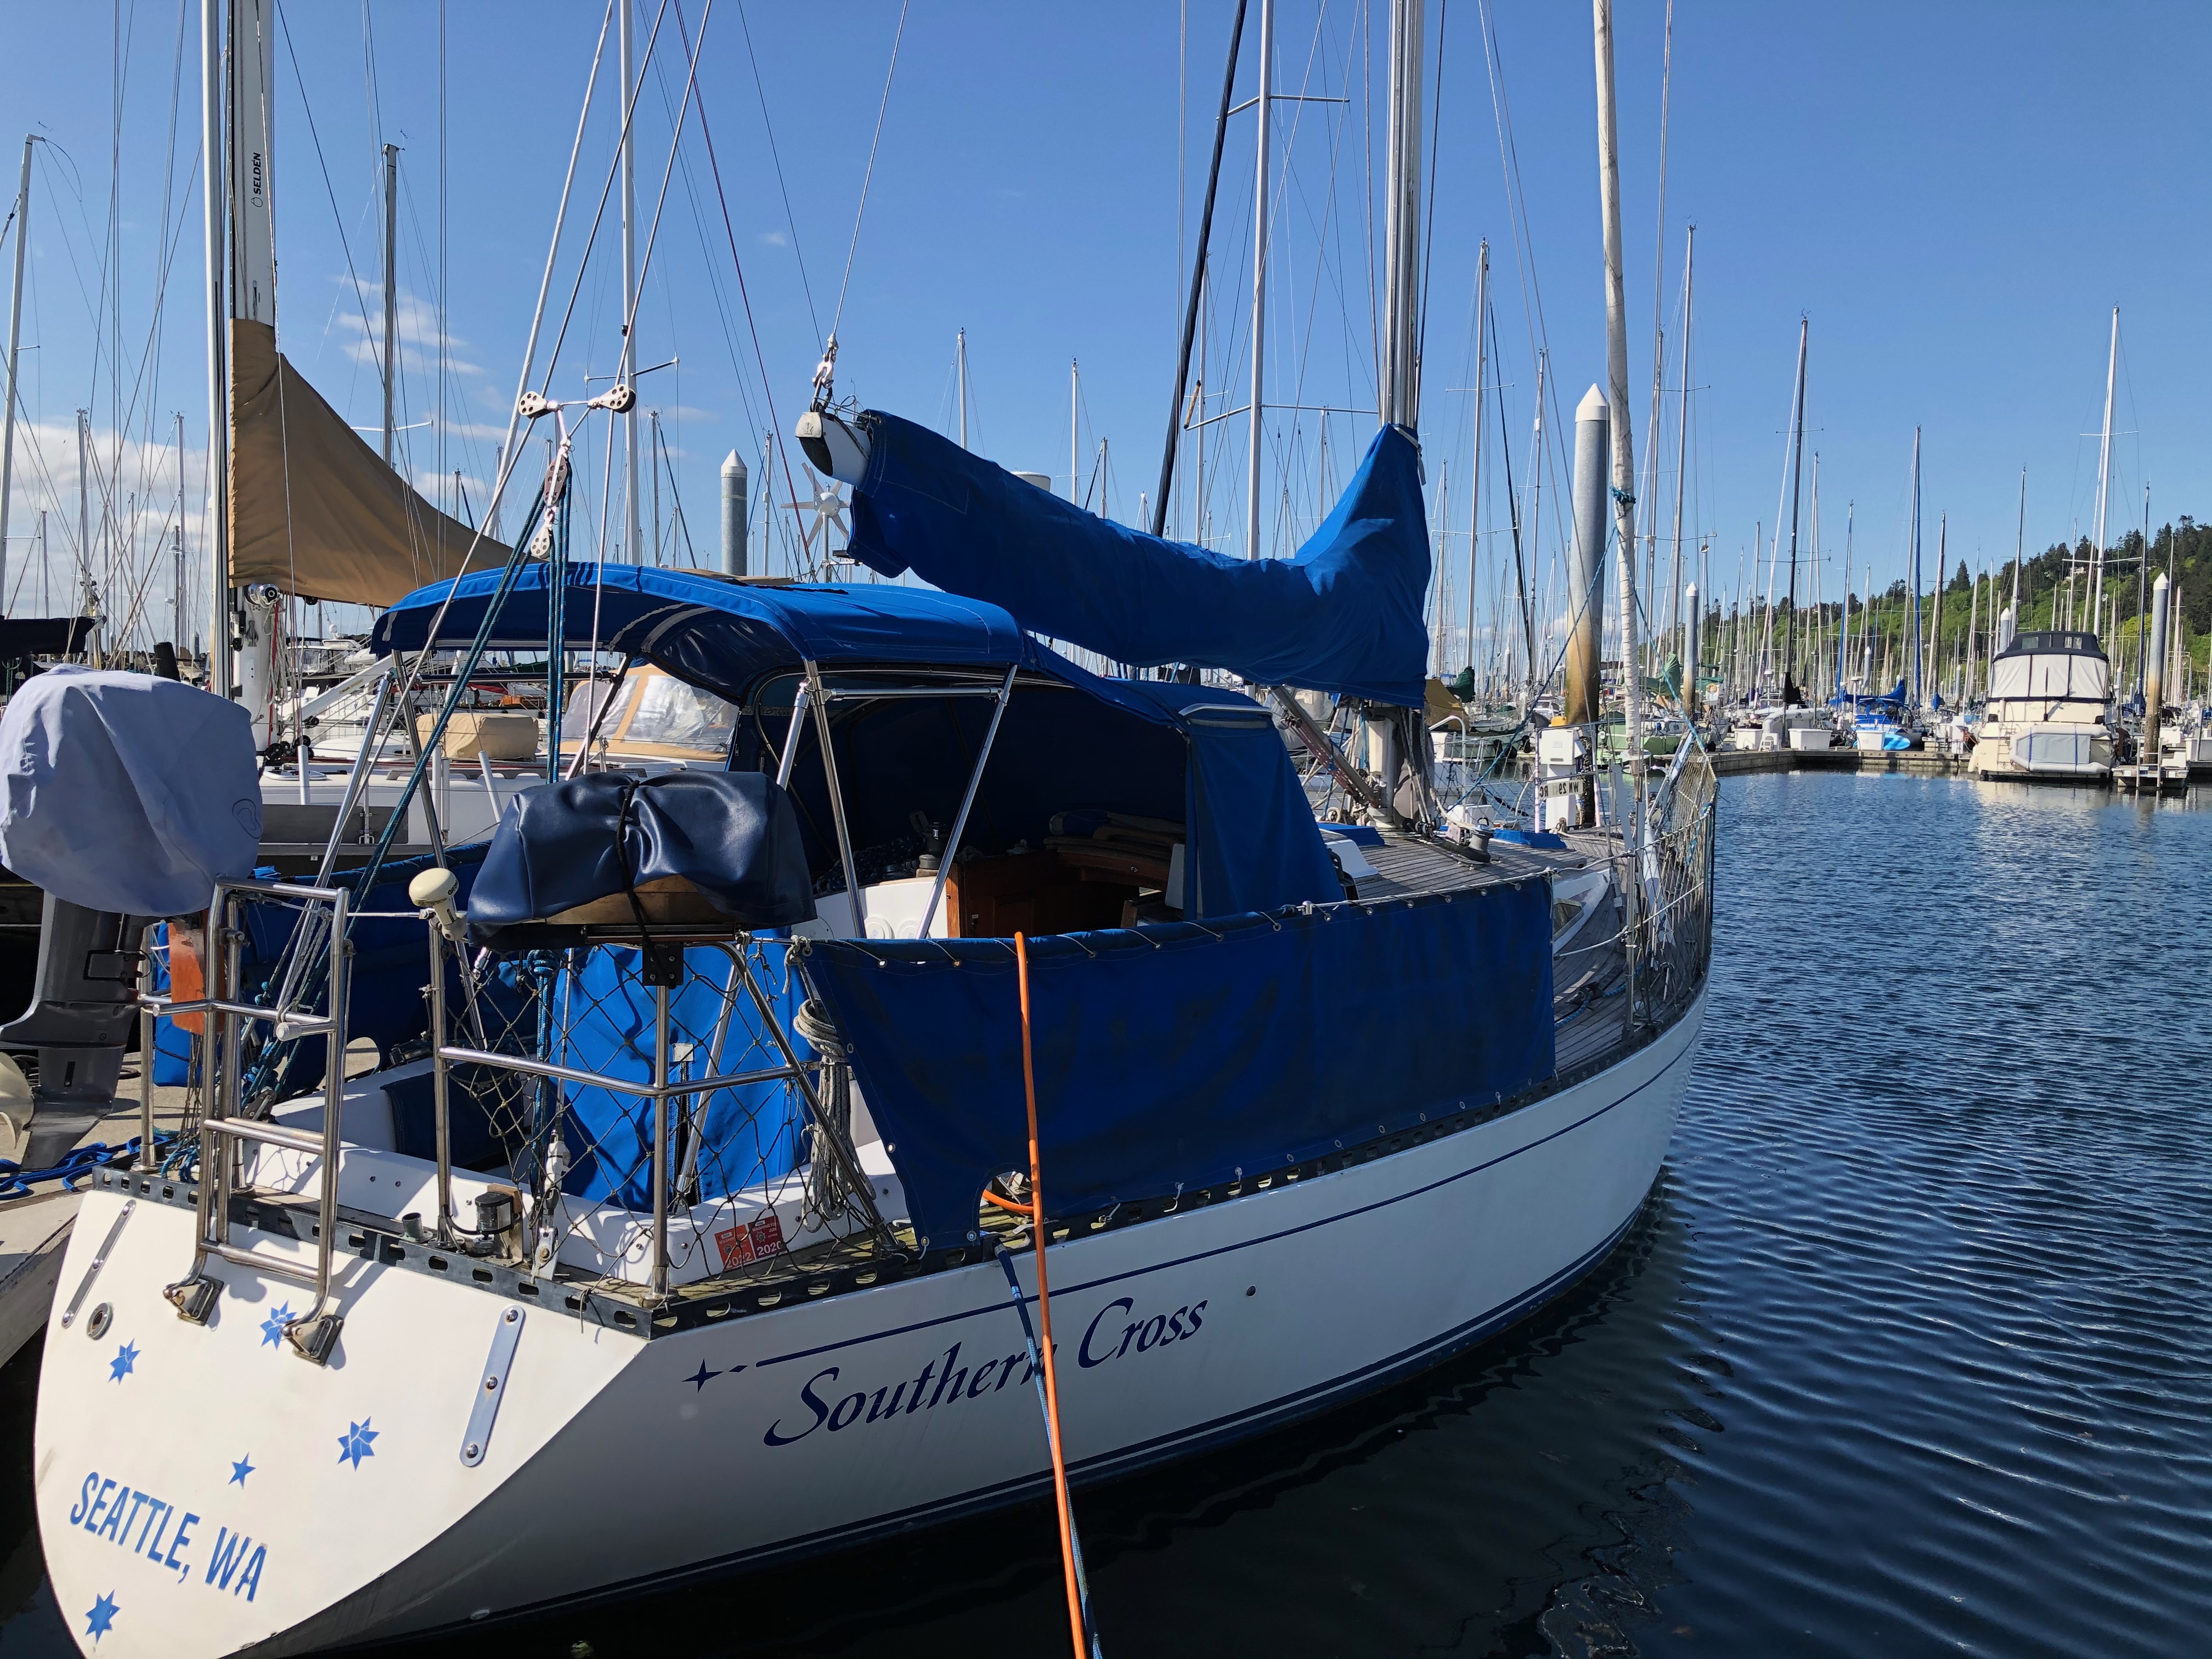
(125, 797)
(79, 1021)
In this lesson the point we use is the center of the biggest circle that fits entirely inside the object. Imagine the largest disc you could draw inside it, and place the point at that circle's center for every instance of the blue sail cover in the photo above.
(1870, 698)
(1180, 1056)
(1344, 616)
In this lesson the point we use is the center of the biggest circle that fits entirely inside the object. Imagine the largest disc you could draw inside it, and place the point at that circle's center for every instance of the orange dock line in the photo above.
(1070, 1571)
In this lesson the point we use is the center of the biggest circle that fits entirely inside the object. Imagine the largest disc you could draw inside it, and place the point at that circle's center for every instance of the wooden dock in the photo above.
(34, 1231)
(1735, 762)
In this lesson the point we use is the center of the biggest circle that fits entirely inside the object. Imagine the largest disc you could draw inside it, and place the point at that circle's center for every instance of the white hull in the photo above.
(2058, 754)
(615, 1461)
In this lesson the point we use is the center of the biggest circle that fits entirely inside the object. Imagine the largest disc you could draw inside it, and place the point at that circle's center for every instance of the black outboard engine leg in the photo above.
(80, 1021)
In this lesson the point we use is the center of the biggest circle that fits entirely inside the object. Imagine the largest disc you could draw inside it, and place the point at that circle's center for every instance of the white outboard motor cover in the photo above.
(125, 792)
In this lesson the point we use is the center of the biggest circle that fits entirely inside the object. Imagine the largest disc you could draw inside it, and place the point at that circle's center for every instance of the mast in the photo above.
(1443, 557)
(1536, 520)
(2019, 550)
(1264, 114)
(1579, 702)
(1796, 476)
(177, 534)
(1942, 556)
(1074, 432)
(1623, 440)
(253, 298)
(2104, 480)
(2142, 579)
(1815, 643)
(1973, 624)
(1915, 567)
(1527, 695)
(1843, 615)
(213, 175)
(84, 530)
(652, 469)
(15, 337)
(1682, 419)
(1474, 472)
(631, 87)
(391, 295)
(960, 352)
(252, 107)
(1659, 330)
(1402, 255)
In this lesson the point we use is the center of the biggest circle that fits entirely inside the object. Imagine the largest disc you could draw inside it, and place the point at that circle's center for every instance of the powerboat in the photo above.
(2048, 717)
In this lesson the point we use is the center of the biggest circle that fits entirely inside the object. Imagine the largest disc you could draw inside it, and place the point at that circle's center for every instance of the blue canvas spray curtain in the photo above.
(1175, 1057)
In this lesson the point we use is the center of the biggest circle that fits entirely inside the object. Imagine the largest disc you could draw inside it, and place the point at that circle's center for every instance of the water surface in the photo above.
(1910, 1353)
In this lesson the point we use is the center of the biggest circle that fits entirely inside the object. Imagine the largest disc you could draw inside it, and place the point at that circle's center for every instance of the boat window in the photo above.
(584, 705)
(675, 715)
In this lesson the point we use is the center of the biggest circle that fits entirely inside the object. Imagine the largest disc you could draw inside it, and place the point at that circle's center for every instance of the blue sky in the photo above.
(1956, 196)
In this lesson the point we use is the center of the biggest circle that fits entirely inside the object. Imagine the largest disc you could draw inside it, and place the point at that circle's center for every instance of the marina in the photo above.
(1688, 1454)
(858, 1042)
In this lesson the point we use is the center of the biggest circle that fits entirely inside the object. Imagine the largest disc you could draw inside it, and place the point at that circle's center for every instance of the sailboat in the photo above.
(1778, 717)
(689, 1229)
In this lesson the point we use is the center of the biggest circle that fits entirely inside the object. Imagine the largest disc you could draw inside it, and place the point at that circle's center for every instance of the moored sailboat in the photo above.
(678, 1237)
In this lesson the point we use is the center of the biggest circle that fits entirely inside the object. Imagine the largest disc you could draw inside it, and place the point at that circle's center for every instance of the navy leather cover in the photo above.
(733, 835)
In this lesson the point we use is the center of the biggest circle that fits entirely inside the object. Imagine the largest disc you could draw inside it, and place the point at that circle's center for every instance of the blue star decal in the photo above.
(353, 1445)
(102, 1615)
(699, 1378)
(239, 1471)
(272, 1329)
(126, 1357)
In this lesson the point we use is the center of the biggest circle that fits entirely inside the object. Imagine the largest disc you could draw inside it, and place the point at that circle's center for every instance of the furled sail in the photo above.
(1344, 616)
(314, 509)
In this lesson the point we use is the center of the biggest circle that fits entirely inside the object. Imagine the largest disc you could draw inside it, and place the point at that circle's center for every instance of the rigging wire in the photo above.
(775, 160)
(783, 454)
(1428, 230)
(1524, 255)
(508, 449)
(584, 261)
(660, 202)
(353, 274)
(867, 178)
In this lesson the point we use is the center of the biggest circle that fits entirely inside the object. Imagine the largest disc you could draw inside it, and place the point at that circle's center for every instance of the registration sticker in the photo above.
(748, 1241)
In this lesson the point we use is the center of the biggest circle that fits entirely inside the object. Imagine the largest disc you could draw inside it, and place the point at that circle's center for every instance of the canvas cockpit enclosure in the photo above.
(909, 682)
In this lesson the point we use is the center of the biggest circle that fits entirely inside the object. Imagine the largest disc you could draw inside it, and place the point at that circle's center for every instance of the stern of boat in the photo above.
(202, 1487)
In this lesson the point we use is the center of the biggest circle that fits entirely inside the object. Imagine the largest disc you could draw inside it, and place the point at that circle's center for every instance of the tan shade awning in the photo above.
(314, 509)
